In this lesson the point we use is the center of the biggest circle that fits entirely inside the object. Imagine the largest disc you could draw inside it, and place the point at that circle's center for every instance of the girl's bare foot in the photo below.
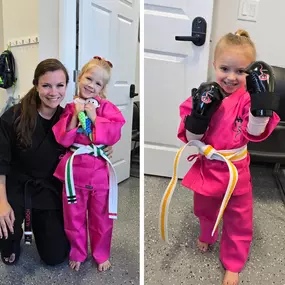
(104, 266)
(231, 278)
(202, 246)
(75, 265)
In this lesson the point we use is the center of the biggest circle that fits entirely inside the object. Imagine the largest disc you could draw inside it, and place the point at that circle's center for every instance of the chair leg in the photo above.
(133, 151)
(277, 173)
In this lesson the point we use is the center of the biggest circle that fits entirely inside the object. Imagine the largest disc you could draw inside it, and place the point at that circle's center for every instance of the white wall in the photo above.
(20, 19)
(39, 18)
(58, 37)
(266, 32)
(48, 27)
(1, 28)
(31, 18)
(2, 91)
(24, 19)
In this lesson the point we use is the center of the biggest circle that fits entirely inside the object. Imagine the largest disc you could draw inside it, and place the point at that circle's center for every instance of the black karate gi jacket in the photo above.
(32, 169)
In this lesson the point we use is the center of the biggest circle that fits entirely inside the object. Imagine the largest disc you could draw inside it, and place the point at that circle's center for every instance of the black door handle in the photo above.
(132, 91)
(194, 39)
(199, 29)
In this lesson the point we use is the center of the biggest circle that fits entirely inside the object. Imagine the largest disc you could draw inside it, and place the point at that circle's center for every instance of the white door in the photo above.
(110, 29)
(172, 69)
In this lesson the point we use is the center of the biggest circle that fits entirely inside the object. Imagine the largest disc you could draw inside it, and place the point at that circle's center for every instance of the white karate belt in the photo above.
(228, 156)
(95, 150)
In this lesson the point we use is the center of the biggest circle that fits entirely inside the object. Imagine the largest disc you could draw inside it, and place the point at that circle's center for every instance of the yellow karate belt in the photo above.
(228, 156)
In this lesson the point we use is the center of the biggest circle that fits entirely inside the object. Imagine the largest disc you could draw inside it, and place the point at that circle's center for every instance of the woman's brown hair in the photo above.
(25, 124)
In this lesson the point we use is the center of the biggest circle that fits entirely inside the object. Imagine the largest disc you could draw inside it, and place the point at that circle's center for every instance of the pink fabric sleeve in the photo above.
(108, 124)
(185, 109)
(272, 123)
(62, 136)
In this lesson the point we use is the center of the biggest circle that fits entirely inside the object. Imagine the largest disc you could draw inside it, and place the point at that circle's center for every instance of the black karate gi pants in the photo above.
(49, 236)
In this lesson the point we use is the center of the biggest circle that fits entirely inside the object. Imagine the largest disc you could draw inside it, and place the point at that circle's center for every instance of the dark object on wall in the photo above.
(7, 69)
(272, 150)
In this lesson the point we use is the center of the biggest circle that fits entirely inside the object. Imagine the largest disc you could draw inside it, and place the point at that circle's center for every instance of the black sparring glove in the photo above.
(260, 85)
(205, 101)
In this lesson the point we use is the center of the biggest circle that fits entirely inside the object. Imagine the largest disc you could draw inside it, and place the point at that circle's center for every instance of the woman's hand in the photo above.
(91, 112)
(109, 151)
(7, 219)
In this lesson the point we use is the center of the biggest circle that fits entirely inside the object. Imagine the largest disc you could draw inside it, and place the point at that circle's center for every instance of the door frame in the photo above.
(67, 41)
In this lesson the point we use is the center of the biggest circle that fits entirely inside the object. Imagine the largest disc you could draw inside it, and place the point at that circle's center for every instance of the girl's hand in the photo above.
(91, 112)
(79, 107)
(109, 151)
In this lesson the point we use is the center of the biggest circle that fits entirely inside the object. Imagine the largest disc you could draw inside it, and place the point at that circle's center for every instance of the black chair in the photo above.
(272, 150)
(136, 124)
(135, 156)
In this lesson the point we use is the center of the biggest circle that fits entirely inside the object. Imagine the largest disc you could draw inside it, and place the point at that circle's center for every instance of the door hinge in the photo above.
(75, 75)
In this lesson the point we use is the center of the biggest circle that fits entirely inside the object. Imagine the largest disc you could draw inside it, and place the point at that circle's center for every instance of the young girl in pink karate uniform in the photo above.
(231, 126)
(92, 190)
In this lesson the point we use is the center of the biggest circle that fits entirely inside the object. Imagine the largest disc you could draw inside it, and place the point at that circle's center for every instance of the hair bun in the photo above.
(242, 33)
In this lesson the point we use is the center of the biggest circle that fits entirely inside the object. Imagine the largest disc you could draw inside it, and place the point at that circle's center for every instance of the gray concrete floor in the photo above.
(124, 255)
(182, 263)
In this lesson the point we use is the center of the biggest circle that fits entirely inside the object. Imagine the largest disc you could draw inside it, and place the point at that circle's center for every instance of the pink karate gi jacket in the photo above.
(89, 172)
(227, 130)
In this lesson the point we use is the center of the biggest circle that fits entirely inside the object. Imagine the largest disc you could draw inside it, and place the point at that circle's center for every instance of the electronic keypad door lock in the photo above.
(199, 29)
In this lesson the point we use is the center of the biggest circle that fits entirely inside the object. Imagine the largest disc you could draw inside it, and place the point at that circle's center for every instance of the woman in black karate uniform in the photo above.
(28, 157)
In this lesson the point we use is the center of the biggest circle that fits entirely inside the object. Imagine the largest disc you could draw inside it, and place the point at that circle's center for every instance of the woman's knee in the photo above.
(53, 258)
(53, 253)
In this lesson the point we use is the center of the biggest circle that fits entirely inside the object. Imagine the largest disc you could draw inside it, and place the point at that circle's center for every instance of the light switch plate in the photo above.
(248, 10)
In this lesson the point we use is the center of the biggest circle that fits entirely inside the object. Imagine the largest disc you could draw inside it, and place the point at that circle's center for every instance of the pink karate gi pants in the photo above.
(100, 226)
(237, 227)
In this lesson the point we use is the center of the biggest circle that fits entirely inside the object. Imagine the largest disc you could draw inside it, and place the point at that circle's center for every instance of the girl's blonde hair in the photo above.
(241, 39)
(106, 67)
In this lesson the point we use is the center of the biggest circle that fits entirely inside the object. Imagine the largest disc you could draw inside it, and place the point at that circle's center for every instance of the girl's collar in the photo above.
(238, 92)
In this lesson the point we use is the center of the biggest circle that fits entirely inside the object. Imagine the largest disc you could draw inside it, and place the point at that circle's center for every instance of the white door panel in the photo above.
(109, 29)
(172, 69)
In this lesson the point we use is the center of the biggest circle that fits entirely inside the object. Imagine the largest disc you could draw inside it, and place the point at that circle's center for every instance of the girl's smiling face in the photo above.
(230, 65)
